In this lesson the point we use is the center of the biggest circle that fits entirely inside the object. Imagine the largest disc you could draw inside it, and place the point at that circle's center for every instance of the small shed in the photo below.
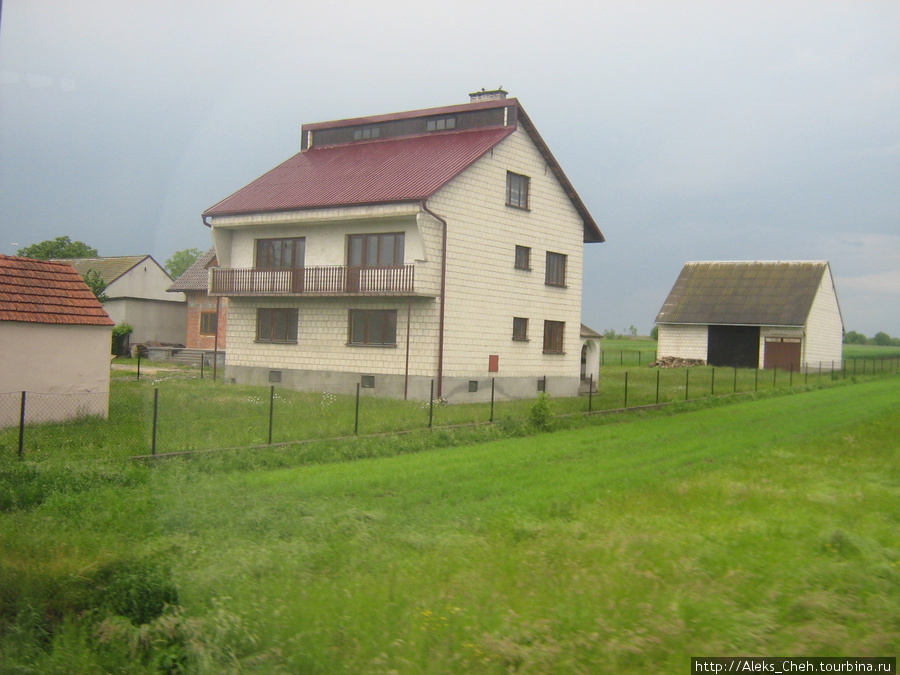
(754, 315)
(54, 343)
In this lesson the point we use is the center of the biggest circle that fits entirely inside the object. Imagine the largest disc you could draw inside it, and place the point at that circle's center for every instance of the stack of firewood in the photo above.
(676, 362)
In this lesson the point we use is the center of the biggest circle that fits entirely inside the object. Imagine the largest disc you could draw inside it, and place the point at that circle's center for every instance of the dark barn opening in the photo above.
(733, 346)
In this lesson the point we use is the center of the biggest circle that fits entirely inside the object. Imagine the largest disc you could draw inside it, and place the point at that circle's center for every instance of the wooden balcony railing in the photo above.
(330, 280)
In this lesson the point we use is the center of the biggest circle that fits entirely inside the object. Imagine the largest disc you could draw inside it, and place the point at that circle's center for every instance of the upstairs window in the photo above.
(520, 328)
(375, 250)
(517, 190)
(556, 269)
(276, 325)
(554, 332)
(280, 254)
(523, 258)
(373, 327)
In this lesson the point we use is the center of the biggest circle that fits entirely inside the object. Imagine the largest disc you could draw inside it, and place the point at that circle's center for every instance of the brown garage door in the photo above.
(782, 353)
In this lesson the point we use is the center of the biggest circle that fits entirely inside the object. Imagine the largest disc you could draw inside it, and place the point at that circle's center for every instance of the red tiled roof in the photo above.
(393, 170)
(42, 291)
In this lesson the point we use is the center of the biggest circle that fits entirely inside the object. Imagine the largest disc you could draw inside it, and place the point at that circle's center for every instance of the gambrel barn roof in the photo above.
(744, 293)
(43, 291)
(392, 158)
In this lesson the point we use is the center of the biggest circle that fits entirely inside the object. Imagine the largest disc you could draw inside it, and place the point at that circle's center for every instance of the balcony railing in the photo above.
(330, 280)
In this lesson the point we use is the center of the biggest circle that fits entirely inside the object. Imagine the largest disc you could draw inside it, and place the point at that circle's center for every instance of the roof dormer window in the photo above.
(365, 133)
(441, 124)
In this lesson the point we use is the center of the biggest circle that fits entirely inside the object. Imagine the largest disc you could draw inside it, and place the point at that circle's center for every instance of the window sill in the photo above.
(515, 339)
(523, 269)
(275, 342)
(518, 208)
(363, 344)
(554, 353)
(562, 286)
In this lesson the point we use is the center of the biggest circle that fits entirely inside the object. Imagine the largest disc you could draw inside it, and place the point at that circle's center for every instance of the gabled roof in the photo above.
(405, 168)
(743, 293)
(196, 277)
(44, 291)
(110, 268)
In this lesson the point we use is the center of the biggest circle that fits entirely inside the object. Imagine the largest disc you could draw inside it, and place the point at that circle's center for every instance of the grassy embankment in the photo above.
(761, 527)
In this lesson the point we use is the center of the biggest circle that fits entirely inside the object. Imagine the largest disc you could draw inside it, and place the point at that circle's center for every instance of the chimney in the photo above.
(493, 95)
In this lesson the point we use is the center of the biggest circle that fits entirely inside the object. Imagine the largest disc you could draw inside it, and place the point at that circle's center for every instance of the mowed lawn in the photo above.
(765, 527)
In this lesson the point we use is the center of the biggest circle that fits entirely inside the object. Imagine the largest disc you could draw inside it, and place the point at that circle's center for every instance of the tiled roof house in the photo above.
(54, 343)
(429, 252)
(207, 317)
(136, 288)
(782, 314)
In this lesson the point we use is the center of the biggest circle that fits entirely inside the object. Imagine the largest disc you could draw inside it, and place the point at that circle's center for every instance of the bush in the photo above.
(541, 413)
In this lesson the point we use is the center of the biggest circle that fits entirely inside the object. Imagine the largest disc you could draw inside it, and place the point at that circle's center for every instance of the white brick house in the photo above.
(754, 315)
(438, 247)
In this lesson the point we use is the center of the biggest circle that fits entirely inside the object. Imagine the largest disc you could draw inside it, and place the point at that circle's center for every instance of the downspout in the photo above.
(443, 296)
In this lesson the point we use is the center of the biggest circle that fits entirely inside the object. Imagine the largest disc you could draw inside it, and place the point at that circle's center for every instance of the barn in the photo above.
(781, 314)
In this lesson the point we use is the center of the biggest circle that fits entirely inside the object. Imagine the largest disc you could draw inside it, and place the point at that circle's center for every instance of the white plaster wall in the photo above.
(683, 341)
(64, 369)
(152, 320)
(145, 280)
(485, 291)
(824, 329)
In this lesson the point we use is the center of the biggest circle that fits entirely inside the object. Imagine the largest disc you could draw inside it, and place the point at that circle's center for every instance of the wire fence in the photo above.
(169, 414)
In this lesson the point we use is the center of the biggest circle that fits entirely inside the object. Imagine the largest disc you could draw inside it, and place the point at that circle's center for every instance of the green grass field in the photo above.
(727, 526)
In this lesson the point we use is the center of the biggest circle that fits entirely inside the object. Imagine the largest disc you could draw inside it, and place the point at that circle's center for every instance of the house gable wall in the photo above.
(484, 289)
(146, 280)
(683, 341)
(824, 329)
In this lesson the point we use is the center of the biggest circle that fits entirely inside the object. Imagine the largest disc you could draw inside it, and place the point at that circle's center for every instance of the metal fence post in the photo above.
(139, 363)
(591, 393)
(22, 427)
(712, 382)
(431, 406)
(734, 390)
(687, 381)
(271, 410)
(155, 417)
(356, 423)
(657, 386)
(626, 390)
(492, 399)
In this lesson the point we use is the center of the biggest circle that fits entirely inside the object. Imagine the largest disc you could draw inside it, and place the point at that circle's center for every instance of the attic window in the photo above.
(441, 124)
(365, 133)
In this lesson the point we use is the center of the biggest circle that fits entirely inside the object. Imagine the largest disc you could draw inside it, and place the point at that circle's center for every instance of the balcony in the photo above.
(314, 281)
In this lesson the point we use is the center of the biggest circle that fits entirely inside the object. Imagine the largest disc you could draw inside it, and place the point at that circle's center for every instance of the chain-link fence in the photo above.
(168, 414)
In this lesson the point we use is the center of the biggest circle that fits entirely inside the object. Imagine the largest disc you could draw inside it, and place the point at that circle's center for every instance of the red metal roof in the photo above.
(43, 291)
(382, 171)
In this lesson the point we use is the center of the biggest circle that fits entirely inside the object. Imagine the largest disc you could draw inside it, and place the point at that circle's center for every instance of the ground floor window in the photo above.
(373, 326)
(520, 328)
(553, 336)
(209, 323)
(276, 325)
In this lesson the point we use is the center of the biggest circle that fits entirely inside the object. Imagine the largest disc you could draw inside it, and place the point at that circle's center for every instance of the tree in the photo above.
(854, 338)
(96, 284)
(882, 339)
(180, 261)
(61, 247)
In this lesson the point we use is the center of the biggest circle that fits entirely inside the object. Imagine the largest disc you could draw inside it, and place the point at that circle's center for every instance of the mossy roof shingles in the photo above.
(44, 291)
(743, 293)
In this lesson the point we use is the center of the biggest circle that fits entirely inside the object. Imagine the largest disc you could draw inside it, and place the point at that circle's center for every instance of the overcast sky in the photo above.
(723, 130)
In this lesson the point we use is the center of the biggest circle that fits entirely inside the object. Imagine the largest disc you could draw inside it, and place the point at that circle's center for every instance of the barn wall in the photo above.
(686, 342)
(825, 329)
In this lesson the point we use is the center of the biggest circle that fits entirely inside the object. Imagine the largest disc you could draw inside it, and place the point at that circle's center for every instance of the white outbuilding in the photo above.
(754, 315)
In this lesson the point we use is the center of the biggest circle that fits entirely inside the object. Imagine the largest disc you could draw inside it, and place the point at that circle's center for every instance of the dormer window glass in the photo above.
(441, 124)
(517, 190)
(366, 133)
